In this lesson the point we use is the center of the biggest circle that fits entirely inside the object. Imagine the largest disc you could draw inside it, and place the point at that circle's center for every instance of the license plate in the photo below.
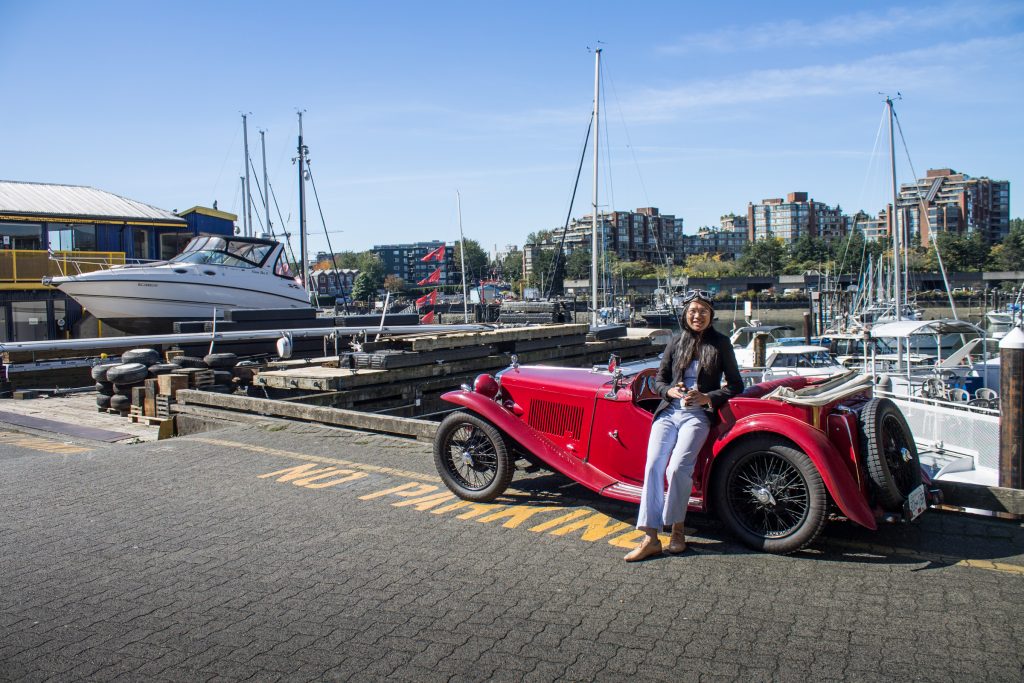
(916, 503)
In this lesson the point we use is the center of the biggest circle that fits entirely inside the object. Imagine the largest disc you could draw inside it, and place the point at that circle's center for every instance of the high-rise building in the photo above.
(956, 202)
(405, 261)
(642, 235)
(793, 218)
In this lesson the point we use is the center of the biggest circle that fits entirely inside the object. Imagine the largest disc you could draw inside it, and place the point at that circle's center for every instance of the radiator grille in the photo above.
(556, 418)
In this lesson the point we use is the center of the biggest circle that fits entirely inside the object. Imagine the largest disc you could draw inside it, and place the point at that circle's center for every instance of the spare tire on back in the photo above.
(127, 373)
(145, 356)
(890, 455)
(99, 372)
(221, 360)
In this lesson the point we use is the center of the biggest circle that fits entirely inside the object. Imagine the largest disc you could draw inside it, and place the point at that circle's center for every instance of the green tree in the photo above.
(577, 265)
(539, 237)
(977, 251)
(708, 265)
(476, 260)
(1009, 255)
(763, 257)
(364, 289)
(542, 270)
(511, 267)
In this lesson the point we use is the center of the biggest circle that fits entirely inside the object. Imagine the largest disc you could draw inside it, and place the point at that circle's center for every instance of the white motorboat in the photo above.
(804, 360)
(213, 273)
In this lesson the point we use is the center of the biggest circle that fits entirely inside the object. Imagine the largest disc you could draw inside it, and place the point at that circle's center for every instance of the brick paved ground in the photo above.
(181, 560)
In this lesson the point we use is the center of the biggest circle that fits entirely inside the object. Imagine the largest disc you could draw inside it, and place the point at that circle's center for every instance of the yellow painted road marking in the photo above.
(377, 469)
(37, 443)
(594, 525)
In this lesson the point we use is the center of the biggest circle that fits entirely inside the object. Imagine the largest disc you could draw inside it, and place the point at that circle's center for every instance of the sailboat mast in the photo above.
(304, 268)
(597, 136)
(266, 184)
(462, 257)
(248, 187)
(894, 222)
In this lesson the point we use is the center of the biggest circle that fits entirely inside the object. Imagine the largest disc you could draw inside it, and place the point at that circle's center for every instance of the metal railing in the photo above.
(27, 267)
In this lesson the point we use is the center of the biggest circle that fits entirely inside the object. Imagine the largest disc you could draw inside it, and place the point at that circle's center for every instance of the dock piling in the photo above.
(1011, 424)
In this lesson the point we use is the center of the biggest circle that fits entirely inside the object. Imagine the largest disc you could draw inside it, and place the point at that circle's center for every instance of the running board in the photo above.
(631, 493)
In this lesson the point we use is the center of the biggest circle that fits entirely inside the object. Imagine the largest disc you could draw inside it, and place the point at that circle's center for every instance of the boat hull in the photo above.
(151, 300)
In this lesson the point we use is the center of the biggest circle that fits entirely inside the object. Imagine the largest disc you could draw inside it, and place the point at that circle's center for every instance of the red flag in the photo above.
(432, 278)
(435, 255)
(432, 298)
(428, 318)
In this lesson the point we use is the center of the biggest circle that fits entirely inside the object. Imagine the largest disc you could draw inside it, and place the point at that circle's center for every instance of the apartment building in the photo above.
(947, 201)
(728, 240)
(794, 217)
(645, 234)
(405, 261)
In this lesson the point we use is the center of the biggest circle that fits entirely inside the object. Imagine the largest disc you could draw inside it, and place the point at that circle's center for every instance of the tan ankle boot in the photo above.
(649, 547)
(678, 542)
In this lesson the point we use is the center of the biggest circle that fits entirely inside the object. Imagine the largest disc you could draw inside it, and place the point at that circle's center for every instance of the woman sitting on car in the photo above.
(689, 381)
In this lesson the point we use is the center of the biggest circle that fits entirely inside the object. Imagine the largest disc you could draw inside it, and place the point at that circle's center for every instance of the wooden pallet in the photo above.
(136, 415)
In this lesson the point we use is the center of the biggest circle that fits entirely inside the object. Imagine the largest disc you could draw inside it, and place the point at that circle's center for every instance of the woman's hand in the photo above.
(677, 392)
(695, 398)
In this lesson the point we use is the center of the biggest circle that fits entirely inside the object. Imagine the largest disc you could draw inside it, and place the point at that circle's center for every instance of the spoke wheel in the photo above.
(770, 495)
(890, 455)
(471, 457)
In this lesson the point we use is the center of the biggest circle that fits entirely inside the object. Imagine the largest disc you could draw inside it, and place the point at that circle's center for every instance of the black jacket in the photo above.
(709, 380)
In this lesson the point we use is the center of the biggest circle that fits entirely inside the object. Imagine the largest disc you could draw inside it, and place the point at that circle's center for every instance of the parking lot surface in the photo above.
(284, 551)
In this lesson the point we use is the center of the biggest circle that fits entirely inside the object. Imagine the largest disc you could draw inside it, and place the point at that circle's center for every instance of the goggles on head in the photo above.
(699, 294)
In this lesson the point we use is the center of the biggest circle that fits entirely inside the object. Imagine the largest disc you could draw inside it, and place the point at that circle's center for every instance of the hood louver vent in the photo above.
(556, 418)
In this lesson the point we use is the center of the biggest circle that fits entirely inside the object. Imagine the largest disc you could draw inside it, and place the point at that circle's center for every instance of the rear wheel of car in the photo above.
(471, 457)
(770, 495)
(890, 454)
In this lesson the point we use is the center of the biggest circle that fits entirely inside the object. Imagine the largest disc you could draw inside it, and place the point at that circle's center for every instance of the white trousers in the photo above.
(677, 436)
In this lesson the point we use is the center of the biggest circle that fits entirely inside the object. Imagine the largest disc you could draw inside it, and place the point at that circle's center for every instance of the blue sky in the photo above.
(708, 105)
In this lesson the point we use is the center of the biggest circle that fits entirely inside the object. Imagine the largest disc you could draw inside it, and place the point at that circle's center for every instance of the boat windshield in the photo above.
(814, 359)
(224, 252)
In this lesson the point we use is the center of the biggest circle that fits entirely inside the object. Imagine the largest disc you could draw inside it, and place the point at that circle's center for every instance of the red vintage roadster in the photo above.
(784, 456)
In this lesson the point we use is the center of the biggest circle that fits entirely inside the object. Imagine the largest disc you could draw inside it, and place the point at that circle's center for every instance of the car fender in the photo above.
(520, 432)
(834, 473)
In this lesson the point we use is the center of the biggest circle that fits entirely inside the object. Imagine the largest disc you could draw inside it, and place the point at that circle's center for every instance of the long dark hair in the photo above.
(696, 346)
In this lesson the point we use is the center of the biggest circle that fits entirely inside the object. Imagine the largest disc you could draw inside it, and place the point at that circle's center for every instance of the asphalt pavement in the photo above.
(287, 551)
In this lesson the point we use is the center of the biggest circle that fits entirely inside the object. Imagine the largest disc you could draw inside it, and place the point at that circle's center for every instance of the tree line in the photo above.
(765, 257)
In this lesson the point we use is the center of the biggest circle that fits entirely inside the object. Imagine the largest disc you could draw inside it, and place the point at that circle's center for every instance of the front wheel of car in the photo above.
(471, 456)
(770, 495)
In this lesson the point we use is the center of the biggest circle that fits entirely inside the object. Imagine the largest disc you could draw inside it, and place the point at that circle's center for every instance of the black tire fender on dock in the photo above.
(188, 362)
(127, 373)
(120, 402)
(125, 389)
(102, 401)
(145, 356)
(890, 455)
(161, 369)
(99, 372)
(221, 361)
(105, 389)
